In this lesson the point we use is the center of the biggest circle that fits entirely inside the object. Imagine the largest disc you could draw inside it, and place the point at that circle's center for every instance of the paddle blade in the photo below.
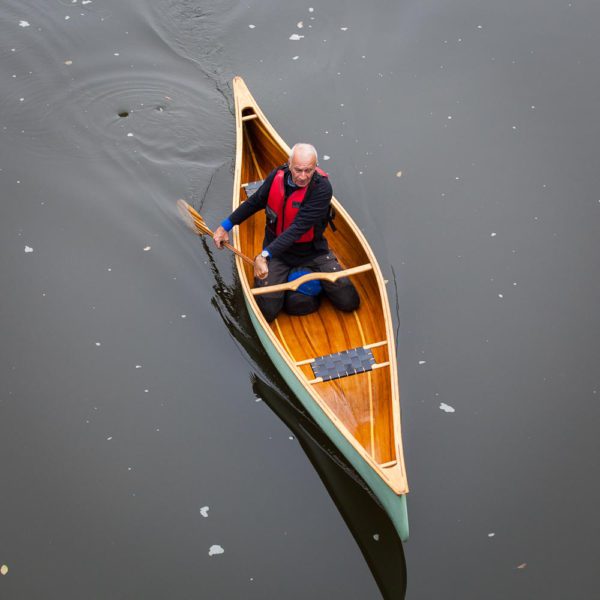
(191, 218)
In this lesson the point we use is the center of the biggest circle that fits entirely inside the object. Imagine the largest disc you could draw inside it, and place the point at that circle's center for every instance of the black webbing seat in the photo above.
(343, 364)
(252, 187)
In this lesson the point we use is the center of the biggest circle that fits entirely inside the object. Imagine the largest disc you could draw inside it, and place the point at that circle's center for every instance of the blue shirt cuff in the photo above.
(226, 224)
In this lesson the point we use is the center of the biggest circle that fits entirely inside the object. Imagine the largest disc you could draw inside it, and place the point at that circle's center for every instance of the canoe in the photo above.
(341, 366)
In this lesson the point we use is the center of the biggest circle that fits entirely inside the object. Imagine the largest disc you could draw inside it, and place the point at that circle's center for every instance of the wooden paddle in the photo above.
(197, 224)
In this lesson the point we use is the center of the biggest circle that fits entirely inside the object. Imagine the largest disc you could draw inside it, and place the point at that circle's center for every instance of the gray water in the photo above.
(140, 423)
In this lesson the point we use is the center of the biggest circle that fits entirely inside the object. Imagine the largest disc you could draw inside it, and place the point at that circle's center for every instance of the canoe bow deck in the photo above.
(342, 366)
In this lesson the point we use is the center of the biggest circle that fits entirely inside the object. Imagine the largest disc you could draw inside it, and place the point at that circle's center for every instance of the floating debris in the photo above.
(28, 249)
(399, 174)
(446, 408)
(215, 549)
(24, 24)
(3, 570)
(295, 37)
(376, 537)
(300, 24)
(68, 62)
(204, 511)
(522, 566)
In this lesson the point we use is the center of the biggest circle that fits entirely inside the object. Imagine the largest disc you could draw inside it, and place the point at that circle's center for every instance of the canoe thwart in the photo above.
(296, 283)
(249, 117)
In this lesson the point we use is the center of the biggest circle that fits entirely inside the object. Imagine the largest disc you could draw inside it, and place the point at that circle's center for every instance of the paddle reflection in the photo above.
(367, 521)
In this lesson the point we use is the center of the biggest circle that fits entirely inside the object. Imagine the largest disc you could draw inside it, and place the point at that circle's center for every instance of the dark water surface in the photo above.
(142, 426)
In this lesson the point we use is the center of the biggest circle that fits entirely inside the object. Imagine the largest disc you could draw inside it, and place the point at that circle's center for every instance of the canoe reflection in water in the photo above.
(357, 505)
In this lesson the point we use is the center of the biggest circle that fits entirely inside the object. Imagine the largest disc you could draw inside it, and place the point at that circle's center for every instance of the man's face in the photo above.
(302, 167)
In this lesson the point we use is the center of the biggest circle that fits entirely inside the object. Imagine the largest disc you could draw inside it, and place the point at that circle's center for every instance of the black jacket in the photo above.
(313, 212)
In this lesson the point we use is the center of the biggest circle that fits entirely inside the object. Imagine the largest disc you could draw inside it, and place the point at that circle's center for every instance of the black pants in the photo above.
(341, 293)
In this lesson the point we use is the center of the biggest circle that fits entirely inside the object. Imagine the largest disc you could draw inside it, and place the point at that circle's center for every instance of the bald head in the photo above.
(303, 162)
(304, 150)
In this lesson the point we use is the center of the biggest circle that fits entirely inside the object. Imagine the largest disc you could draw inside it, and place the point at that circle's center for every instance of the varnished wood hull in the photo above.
(360, 413)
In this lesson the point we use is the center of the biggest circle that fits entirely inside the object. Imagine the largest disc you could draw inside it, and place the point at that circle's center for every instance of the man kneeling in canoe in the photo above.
(297, 200)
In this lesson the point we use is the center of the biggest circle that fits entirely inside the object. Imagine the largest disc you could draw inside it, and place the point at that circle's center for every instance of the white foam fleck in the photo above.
(215, 549)
(138, 366)
(344, 28)
(295, 37)
(311, 10)
(130, 134)
(399, 174)
(493, 234)
(326, 157)
(500, 295)
(109, 438)
(446, 407)
(86, 1)
(28, 249)
(422, 362)
(24, 24)
(251, 26)
(376, 537)
(204, 511)
(116, 54)
(3, 570)
(183, 316)
(300, 24)
(98, 344)
(67, 18)
(147, 248)
(295, 57)
(491, 534)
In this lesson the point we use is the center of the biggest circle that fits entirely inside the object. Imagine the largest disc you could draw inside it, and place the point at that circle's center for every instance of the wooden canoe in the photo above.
(359, 412)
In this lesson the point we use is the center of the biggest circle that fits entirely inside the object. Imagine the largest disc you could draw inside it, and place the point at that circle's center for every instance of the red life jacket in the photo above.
(287, 208)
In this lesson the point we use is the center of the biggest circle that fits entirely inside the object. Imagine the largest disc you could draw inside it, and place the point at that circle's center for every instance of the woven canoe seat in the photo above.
(343, 364)
(252, 187)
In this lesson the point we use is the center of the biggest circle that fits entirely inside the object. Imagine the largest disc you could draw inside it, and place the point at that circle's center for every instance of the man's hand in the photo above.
(261, 267)
(220, 236)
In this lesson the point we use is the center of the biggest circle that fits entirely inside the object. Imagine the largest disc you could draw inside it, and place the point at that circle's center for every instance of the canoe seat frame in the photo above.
(374, 366)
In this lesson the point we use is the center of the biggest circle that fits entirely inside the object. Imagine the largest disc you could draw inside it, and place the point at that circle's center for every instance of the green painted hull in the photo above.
(393, 504)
